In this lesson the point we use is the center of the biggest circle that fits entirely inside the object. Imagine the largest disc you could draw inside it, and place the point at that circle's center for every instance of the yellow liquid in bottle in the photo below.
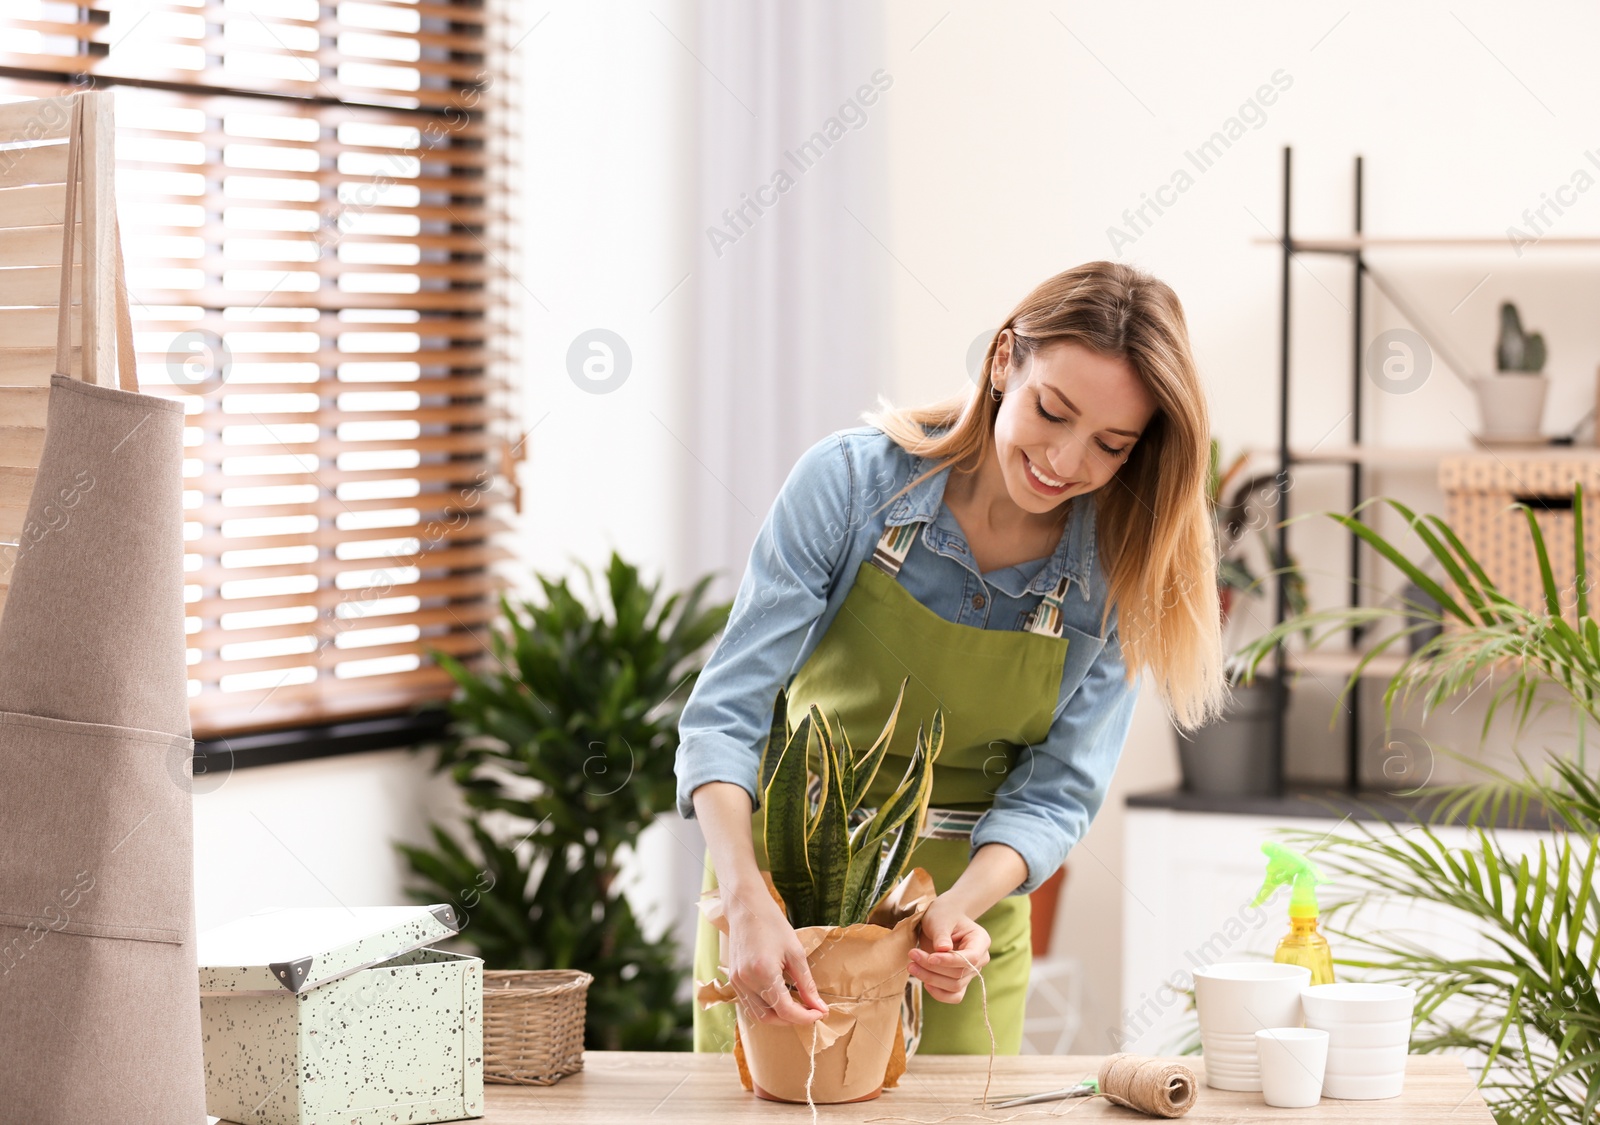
(1305, 946)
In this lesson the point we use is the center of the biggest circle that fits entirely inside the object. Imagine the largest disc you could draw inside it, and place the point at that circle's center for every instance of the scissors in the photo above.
(1085, 1089)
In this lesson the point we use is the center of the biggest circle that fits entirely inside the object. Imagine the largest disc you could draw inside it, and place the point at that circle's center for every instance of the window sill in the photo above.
(298, 744)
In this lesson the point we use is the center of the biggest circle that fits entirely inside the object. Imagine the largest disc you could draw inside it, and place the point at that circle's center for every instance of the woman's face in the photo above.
(1096, 407)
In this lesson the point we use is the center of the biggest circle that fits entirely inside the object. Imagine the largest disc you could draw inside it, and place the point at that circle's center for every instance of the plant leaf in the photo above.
(785, 803)
(827, 843)
(866, 770)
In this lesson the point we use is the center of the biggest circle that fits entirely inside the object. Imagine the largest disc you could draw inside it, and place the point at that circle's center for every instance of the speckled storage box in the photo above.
(317, 1016)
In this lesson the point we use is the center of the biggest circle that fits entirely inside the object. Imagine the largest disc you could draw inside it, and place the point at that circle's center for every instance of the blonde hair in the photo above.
(1155, 530)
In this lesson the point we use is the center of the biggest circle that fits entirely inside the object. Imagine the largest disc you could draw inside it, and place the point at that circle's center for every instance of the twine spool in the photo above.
(1146, 1085)
(1153, 1086)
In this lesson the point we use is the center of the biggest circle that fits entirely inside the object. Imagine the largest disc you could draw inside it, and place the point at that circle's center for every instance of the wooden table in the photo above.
(674, 1087)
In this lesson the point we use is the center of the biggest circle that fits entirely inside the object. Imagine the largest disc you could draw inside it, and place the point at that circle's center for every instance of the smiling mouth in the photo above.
(1050, 484)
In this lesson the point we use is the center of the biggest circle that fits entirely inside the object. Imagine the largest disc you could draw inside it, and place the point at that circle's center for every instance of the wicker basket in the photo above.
(1479, 490)
(533, 1025)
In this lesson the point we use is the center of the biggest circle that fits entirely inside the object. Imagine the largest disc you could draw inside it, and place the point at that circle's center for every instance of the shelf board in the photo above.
(1384, 457)
(1322, 801)
(1360, 243)
(1341, 662)
(1424, 457)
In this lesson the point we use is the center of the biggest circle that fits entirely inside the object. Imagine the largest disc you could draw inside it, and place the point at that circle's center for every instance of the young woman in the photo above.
(1017, 556)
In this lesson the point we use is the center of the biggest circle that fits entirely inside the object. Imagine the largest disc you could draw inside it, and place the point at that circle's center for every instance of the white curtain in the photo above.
(788, 341)
(787, 337)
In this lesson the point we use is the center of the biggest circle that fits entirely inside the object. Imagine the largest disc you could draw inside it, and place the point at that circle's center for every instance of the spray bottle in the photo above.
(1303, 945)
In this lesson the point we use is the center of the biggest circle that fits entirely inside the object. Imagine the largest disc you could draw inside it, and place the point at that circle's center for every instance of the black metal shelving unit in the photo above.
(1350, 247)
(1286, 460)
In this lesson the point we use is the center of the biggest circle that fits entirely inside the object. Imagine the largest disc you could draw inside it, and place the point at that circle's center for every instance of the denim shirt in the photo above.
(826, 520)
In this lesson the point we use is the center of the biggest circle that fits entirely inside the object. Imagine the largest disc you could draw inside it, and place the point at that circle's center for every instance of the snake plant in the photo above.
(828, 873)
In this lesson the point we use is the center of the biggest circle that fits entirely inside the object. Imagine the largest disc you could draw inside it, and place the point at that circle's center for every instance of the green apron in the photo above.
(998, 689)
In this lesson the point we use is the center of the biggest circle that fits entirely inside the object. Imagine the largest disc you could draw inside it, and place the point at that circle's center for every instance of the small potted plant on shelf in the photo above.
(1237, 509)
(1511, 401)
(1234, 756)
(856, 910)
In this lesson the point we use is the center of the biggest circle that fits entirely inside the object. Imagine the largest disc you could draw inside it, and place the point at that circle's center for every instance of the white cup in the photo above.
(1236, 999)
(1293, 1060)
(1369, 1035)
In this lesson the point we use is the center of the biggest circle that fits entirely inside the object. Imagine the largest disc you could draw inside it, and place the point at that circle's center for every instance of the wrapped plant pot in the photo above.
(838, 872)
(861, 971)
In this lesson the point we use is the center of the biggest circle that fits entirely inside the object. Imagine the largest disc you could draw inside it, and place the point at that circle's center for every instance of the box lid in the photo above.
(299, 948)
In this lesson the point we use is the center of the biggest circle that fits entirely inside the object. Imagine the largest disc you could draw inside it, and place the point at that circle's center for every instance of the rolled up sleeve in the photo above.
(784, 590)
(1062, 782)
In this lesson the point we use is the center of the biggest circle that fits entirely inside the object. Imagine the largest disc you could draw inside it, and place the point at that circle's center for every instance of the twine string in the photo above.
(812, 1073)
(989, 1027)
(1146, 1085)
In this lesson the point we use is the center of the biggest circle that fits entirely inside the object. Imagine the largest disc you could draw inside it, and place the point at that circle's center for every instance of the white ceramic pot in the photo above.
(1356, 1003)
(1357, 1088)
(1511, 405)
(1293, 1061)
(1369, 1034)
(1235, 1000)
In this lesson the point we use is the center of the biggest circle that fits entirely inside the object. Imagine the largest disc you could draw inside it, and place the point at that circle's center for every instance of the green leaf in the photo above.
(827, 844)
(866, 770)
(924, 755)
(1580, 552)
(861, 875)
(1406, 566)
(786, 829)
(1552, 599)
(777, 738)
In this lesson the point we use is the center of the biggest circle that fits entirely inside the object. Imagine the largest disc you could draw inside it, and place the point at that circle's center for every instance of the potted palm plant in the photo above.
(1524, 1006)
(840, 876)
(562, 744)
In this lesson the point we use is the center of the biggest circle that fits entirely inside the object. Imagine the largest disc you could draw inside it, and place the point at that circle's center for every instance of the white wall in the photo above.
(315, 833)
(1020, 134)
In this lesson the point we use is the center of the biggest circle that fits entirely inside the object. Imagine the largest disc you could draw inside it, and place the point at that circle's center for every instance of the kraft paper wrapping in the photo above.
(861, 972)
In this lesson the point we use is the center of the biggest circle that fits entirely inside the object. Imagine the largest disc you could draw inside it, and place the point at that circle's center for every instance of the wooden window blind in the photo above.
(315, 206)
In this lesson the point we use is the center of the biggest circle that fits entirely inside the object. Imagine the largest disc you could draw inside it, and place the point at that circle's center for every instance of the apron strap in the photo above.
(127, 364)
(941, 824)
(895, 544)
(893, 547)
(1047, 617)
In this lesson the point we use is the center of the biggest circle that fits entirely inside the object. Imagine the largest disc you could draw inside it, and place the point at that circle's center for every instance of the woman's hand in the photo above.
(761, 943)
(762, 946)
(951, 950)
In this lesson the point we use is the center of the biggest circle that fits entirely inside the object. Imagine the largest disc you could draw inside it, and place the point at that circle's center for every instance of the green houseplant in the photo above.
(1232, 520)
(828, 873)
(1526, 1004)
(563, 745)
(846, 890)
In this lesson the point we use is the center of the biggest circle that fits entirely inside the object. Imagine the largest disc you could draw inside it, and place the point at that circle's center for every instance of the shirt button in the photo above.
(977, 601)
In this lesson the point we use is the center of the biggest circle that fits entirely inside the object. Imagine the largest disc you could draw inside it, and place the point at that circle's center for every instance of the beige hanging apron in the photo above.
(99, 991)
